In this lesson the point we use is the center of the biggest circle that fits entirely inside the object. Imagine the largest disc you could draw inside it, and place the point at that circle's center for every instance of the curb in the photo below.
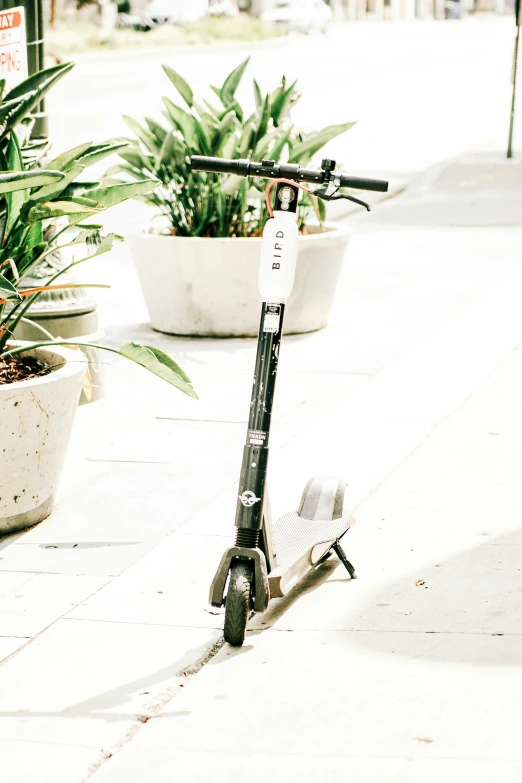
(169, 49)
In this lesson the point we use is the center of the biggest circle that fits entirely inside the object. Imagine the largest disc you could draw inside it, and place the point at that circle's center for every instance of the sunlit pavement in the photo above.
(420, 91)
(412, 393)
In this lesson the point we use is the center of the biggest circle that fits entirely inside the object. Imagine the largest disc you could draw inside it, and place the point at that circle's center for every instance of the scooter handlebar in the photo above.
(269, 169)
(364, 183)
(219, 165)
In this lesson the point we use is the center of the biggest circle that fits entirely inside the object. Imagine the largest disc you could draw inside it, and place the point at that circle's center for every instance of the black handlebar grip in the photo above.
(363, 183)
(219, 165)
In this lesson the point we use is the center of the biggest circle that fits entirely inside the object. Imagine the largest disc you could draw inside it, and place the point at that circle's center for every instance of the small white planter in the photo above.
(36, 418)
(208, 287)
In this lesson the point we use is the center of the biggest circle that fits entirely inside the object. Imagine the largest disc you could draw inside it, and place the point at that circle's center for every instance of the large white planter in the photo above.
(36, 418)
(208, 287)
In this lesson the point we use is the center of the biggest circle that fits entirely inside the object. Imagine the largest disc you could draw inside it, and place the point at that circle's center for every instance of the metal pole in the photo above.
(41, 124)
(513, 97)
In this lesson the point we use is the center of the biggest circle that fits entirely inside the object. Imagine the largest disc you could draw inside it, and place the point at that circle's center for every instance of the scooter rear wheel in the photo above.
(238, 604)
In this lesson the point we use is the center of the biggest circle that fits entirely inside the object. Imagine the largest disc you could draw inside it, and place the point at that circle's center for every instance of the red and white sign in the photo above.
(13, 47)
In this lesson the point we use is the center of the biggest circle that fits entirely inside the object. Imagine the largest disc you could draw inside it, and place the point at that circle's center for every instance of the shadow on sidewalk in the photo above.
(163, 685)
(471, 597)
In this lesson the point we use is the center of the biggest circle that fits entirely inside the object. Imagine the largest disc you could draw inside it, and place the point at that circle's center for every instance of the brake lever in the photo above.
(332, 193)
(325, 196)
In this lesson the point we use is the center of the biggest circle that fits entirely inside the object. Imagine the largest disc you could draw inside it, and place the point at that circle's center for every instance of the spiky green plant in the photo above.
(208, 205)
(33, 198)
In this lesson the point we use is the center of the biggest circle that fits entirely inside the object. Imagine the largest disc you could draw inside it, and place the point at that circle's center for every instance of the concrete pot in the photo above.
(74, 327)
(36, 418)
(208, 287)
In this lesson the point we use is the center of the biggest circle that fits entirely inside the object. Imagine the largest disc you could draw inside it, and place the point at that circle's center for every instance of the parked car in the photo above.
(222, 8)
(160, 12)
(303, 16)
(454, 9)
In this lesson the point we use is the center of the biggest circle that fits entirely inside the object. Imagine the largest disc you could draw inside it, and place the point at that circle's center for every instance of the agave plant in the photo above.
(34, 200)
(15, 113)
(207, 205)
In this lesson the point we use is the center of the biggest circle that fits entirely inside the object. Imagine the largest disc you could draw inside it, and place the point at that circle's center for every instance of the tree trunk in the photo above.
(53, 13)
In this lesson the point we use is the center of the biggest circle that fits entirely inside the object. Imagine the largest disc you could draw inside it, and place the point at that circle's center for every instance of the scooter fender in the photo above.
(261, 589)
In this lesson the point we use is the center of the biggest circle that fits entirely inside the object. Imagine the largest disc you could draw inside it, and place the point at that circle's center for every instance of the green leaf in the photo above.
(34, 235)
(225, 128)
(137, 159)
(61, 162)
(212, 109)
(160, 364)
(6, 107)
(92, 227)
(24, 129)
(280, 103)
(233, 107)
(263, 145)
(207, 119)
(246, 140)
(99, 152)
(156, 129)
(146, 138)
(96, 244)
(39, 80)
(7, 289)
(304, 151)
(229, 147)
(78, 189)
(29, 93)
(33, 211)
(231, 184)
(263, 120)
(20, 180)
(258, 96)
(319, 208)
(15, 198)
(82, 201)
(115, 194)
(183, 122)
(231, 83)
(204, 141)
(50, 192)
(87, 233)
(77, 217)
(277, 149)
(31, 257)
(171, 153)
(180, 84)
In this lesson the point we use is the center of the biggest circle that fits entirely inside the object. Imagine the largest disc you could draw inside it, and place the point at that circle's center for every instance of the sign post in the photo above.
(31, 15)
(518, 21)
(13, 47)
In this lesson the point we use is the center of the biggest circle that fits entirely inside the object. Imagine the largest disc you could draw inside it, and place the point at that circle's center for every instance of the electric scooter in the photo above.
(267, 560)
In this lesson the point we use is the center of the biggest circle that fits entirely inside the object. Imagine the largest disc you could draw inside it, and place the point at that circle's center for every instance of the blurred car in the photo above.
(160, 12)
(303, 16)
(454, 9)
(222, 8)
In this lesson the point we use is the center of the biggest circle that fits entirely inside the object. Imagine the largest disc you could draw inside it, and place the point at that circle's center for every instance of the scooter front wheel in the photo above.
(238, 603)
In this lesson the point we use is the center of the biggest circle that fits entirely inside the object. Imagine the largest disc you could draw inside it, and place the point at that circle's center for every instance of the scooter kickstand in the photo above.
(339, 551)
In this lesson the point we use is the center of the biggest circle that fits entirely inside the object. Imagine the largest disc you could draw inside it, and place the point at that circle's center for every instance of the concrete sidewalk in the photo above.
(412, 394)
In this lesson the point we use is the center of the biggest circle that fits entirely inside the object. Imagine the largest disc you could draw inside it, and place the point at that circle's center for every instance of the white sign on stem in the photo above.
(13, 47)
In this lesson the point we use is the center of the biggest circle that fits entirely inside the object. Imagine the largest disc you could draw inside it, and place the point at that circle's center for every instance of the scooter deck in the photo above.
(299, 545)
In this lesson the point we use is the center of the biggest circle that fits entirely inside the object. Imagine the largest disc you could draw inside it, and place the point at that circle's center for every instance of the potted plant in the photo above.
(40, 382)
(68, 312)
(198, 268)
